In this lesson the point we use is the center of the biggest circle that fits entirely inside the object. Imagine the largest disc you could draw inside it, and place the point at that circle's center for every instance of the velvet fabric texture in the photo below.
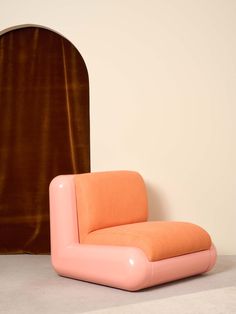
(108, 199)
(44, 131)
(157, 239)
(112, 209)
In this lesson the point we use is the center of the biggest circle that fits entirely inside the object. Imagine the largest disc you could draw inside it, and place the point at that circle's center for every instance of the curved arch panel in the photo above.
(44, 130)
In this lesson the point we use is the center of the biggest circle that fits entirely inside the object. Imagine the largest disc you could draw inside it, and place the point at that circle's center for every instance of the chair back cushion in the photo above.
(107, 199)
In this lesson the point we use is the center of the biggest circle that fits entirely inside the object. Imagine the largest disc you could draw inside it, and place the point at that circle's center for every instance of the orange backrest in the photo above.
(107, 199)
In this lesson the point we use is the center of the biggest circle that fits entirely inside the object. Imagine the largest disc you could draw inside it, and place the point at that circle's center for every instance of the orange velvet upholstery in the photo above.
(157, 239)
(112, 210)
(108, 199)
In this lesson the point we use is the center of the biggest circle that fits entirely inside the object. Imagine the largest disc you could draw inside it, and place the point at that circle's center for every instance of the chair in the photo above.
(100, 234)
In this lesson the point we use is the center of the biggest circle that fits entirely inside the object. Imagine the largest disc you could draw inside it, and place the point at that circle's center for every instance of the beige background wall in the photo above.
(163, 97)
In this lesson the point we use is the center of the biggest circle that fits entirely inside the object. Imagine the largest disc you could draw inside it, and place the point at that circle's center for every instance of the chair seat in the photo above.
(157, 239)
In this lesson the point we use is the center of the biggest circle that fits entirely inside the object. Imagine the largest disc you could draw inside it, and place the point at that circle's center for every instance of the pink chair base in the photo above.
(121, 267)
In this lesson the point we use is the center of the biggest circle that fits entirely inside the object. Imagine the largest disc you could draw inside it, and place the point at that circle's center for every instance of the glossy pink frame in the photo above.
(121, 267)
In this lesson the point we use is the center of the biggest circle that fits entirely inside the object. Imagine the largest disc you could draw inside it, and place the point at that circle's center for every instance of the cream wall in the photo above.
(163, 97)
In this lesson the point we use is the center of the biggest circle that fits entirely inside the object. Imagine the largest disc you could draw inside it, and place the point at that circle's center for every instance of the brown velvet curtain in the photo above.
(44, 131)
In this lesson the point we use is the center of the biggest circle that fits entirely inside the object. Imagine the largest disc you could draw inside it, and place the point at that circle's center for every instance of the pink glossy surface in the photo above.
(120, 267)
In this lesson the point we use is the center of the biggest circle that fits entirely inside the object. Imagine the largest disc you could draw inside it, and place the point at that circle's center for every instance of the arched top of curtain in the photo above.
(44, 130)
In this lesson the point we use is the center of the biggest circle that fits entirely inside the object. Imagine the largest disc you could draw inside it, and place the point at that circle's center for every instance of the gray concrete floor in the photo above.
(28, 284)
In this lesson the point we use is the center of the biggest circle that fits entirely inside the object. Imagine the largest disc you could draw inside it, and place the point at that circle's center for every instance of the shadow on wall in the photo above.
(158, 206)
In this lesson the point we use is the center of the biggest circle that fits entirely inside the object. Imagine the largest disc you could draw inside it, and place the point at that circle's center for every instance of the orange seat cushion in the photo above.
(157, 239)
